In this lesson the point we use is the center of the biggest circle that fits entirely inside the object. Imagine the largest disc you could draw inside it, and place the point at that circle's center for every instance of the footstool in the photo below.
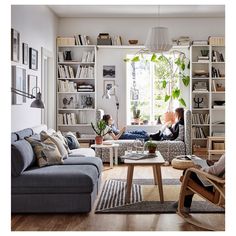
(182, 162)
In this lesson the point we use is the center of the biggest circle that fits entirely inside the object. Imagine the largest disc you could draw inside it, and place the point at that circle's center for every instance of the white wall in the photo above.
(133, 28)
(37, 26)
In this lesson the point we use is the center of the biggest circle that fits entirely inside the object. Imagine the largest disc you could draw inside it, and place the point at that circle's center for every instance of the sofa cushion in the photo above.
(56, 139)
(46, 152)
(24, 133)
(86, 152)
(56, 179)
(22, 156)
(13, 137)
(72, 141)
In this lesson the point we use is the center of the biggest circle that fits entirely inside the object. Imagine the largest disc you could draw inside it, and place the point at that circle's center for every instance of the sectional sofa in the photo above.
(69, 187)
(168, 149)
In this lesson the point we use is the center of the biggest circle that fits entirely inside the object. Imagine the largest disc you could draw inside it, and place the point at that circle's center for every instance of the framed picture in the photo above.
(32, 83)
(25, 53)
(109, 71)
(19, 83)
(33, 59)
(15, 45)
(108, 84)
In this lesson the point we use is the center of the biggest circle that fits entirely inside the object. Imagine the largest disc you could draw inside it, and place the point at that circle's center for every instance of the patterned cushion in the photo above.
(72, 141)
(46, 152)
(55, 138)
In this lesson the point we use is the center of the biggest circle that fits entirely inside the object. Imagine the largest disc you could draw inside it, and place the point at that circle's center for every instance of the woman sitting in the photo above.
(114, 133)
(169, 132)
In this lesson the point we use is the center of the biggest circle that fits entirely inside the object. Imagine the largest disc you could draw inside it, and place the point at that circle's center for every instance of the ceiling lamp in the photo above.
(158, 39)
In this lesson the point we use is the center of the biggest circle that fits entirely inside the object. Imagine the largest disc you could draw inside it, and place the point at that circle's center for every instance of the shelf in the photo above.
(218, 92)
(74, 92)
(120, 46)
(199, 139)
(218, 125)
(75, 63)
(63, 125)
(74, 109)
(218, 62)
(218, 109)
(218, 78)
(76, 78)
(76, 46)
(200, 109)
(200, 124)
(198, 62)
(197, 92)
(216, 151)
(200, 78)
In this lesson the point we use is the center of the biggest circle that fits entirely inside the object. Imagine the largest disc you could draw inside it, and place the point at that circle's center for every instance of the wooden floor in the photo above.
(113, 222)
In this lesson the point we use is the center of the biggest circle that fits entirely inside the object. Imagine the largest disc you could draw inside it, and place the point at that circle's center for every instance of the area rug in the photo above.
(145, 198)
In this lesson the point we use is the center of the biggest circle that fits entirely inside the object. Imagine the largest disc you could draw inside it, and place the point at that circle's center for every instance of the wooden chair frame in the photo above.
(189, 186)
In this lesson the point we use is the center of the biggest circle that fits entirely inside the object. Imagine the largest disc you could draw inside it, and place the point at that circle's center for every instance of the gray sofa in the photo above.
(168, 149)
(70, 187)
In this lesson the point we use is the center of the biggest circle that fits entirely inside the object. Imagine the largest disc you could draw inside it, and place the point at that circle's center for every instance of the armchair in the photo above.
(217, 196)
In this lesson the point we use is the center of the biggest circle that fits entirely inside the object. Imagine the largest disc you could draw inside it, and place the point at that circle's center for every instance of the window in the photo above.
(144, 90)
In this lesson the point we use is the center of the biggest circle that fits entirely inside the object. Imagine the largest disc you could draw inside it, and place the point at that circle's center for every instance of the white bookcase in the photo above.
(76, 88)
(207, 92)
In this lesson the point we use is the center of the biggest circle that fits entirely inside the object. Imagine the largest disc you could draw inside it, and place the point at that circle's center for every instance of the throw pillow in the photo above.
(181, 134)
(56, 139)
(72, 141)
(46, 152)
(64, 141)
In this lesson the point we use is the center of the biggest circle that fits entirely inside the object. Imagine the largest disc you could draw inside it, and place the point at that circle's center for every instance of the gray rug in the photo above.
(112, 198)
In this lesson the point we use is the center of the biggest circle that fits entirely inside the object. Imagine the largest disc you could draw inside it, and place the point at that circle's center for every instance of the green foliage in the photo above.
(100, 127)
(167, 97)
(181, 100)
(135, 59)
(136, 113)
(150, 144)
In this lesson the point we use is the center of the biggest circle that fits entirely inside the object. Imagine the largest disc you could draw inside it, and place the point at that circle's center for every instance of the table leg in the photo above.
(155, 174)
(129, 182)
(111, 157)
(116, 155)
(159, 180)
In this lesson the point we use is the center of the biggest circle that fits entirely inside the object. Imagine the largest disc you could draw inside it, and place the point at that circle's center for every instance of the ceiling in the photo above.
(138, 10)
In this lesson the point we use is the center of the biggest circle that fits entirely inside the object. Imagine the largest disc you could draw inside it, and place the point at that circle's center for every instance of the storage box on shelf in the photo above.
(207, 94)
(76, 87)
(216, 147)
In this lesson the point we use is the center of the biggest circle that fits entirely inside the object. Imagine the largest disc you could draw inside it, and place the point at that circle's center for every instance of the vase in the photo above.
(98, 140)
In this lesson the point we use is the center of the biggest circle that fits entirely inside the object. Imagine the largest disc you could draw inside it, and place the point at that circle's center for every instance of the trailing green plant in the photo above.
(168, 72)
(100, 127)
(150, 144)
(136, 113)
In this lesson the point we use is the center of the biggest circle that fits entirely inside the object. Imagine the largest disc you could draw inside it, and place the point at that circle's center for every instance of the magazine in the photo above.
(138, 156)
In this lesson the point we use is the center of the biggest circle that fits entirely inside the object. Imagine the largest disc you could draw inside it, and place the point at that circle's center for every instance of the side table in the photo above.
(110, 147)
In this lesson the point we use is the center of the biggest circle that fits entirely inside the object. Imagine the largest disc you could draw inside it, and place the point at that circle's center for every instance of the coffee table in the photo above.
(110, 147)
(155, 162)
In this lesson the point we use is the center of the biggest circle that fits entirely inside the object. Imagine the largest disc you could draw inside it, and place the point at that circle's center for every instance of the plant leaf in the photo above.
(135, 59)
(154, 57)
(164, 84)
(186, 80)
(167, 97)
(188, 65)
(178, 62)
(126, 59)
(182, 65)
(181, 100)
(175, 93)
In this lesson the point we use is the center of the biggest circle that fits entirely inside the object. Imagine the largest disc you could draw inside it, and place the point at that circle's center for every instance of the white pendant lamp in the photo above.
(158, 38)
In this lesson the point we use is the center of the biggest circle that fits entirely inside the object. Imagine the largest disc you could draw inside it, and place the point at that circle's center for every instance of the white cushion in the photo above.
(87, 152)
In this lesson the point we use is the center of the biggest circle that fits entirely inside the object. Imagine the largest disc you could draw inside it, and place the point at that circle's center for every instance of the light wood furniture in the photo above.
(216, 146)
(208, 119)
(181, 164)
(156, 164)
(189, 186)
(110, 147)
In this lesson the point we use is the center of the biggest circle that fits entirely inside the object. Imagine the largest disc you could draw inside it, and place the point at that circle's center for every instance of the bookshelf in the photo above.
(207, 92)
(76, 88)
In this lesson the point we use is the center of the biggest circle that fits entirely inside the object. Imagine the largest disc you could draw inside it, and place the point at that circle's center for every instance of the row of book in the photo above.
(198, 132)
(67, 119)
(66, 86)
(217, 57)
(82, 39)
(85, 88)
(88, 56)
(201, 118)
(82, 72)
(215, 73)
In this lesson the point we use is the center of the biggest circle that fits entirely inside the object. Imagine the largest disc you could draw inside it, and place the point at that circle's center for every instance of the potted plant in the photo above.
(136, 115)
(99, 130)
(152, 147)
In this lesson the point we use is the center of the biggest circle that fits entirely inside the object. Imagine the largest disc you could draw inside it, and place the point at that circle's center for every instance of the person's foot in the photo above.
(155, 136)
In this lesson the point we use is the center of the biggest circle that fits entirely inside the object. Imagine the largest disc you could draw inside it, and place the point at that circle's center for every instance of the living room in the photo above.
(77, 63)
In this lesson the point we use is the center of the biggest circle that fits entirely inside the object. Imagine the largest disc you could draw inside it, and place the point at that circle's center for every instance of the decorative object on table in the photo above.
(136, 115)
(18, 83)
(68, 56)
(133, 41)
(99, 130)
(15, 45)
(25, 53)
(67, 102)
(109, 71)
(89, 101)
(151, 146)
(198, 101)
(104, 39)
(32, 82)
(109, 90)
(139, 145)
(33, 59)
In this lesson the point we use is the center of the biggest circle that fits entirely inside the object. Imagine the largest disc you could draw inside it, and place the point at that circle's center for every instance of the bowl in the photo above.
(133, 41)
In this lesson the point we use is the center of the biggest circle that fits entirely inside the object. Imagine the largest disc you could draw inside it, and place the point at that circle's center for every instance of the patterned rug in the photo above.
(145, 198)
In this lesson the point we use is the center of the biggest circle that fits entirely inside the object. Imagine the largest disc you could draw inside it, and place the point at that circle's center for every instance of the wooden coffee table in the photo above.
(156, 164)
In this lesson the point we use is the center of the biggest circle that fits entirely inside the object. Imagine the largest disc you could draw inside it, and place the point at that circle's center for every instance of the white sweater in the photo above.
(218, 168)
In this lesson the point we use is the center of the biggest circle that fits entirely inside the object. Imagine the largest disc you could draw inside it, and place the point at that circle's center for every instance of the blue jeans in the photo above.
(135, 134)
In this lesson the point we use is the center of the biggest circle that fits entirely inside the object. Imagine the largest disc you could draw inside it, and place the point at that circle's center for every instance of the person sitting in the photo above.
(114, 133)
(217, 169)
(169, 132)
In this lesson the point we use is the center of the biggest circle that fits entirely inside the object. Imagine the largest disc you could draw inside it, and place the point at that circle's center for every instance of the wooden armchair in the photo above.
(189, 186)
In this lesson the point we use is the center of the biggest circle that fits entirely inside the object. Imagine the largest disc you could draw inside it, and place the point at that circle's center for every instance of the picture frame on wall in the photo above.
(109, 71)
(32, 83)
(19, 83)
(15, 45)
(25, 53)
(33, 59)
(107, 84)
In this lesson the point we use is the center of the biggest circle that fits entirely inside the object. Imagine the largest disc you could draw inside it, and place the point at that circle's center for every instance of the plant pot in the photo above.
(152, 149)
(169, 116)
(136, 121)
(98, 140)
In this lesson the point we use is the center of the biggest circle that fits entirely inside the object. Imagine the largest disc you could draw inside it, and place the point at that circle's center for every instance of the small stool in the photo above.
(181, 163)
